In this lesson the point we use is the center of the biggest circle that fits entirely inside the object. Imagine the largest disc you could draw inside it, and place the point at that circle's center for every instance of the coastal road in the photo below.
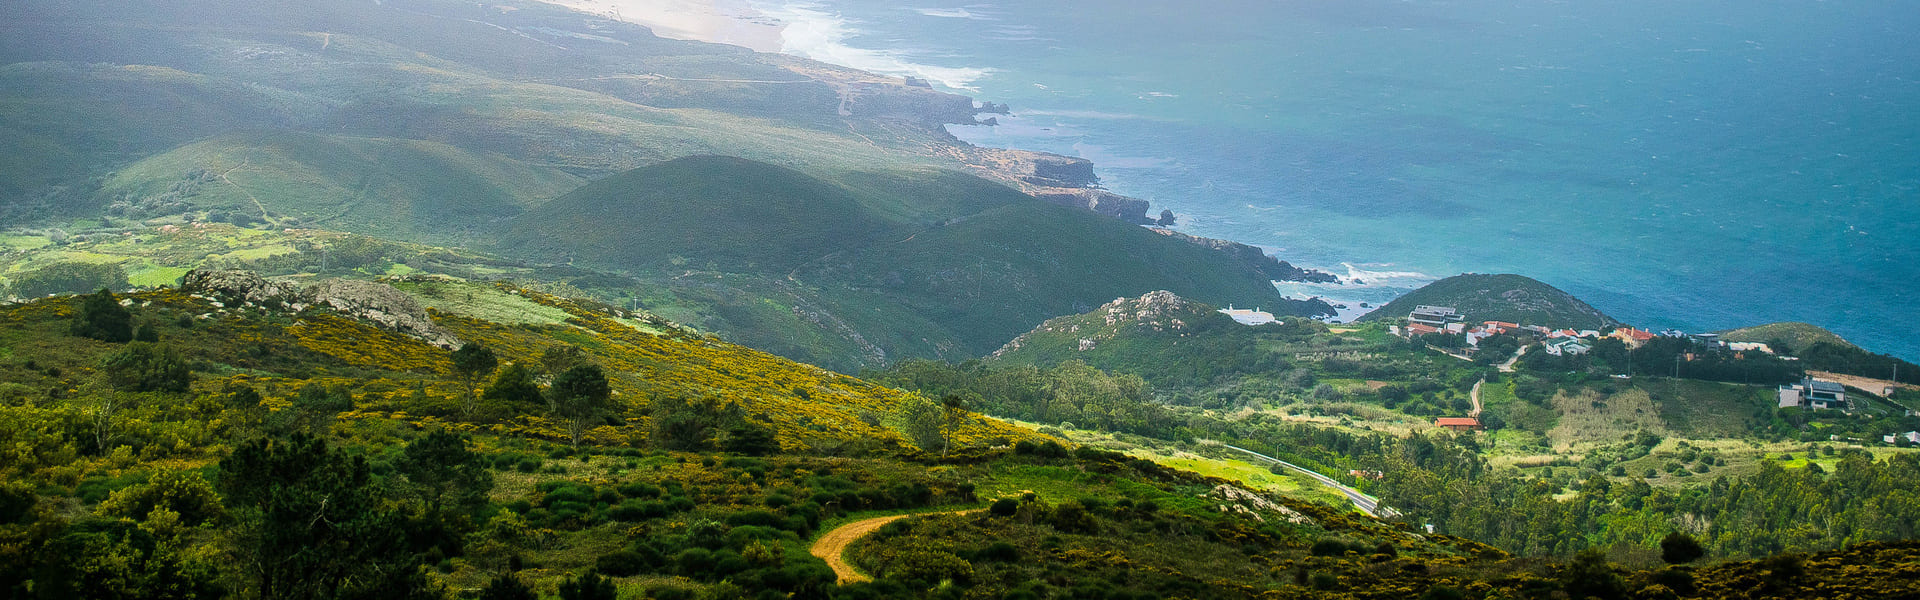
(1366, 504)
(832, 546)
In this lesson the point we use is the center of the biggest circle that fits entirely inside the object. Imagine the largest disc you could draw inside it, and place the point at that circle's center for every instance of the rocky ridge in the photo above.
(376, 303)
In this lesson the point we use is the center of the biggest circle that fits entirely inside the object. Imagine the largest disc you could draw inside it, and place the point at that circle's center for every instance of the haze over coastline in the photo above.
(1701, 166)
(734, 22)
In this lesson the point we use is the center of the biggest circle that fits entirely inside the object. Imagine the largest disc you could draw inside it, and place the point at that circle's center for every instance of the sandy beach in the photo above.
(733, 22)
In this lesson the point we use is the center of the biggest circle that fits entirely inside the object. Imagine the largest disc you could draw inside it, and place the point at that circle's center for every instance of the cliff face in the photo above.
(1273, 268)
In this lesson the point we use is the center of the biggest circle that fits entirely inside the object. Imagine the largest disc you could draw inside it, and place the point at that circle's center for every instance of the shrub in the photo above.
(622, 563)
(1329, 547)
(998, 552)
(1678, 548)
(147, 367)
(1004, 507)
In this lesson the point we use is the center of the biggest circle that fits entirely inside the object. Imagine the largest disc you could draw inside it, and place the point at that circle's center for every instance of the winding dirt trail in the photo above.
(832, 546)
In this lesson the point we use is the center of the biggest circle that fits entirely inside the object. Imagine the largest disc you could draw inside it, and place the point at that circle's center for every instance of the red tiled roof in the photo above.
(1466, 421)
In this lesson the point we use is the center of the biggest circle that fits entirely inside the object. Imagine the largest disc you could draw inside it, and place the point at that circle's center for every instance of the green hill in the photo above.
(1512, 298)
(935, 260)
(1798, 336)
(394, 188)
(715, 213)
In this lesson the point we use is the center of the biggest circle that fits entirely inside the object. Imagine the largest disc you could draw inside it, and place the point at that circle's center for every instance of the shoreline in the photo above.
(1053, 178)
(731, 22)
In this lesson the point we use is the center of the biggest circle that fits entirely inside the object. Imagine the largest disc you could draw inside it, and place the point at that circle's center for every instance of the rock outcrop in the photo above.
(376, 303)
(380, 304)
(235, 287)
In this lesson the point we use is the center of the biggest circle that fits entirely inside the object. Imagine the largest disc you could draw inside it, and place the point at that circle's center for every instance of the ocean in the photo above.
(1690, 164)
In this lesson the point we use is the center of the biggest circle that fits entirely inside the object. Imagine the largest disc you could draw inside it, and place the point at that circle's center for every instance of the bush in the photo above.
(1329, 547)
(1678, 548)
(1004, 507)
(622, 563)
(147, 367)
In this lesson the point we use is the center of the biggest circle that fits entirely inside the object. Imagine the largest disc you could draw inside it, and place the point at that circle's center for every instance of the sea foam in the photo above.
(817, 34)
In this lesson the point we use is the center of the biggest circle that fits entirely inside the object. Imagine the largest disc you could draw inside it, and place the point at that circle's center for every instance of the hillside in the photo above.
(1797, 336)
(450, 123)
(1511, 298)
(256, 426)
(932, 264)
(386, 187)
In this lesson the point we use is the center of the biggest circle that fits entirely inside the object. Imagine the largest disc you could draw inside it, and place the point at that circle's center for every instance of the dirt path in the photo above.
(1475, 396)
(832, 546)
(1867, 384)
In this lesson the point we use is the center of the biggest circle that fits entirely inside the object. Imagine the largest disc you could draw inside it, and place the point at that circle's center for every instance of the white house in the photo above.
(1248, 317)
(1567, 346)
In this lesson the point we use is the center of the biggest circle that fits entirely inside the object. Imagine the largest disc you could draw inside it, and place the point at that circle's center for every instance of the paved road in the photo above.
(1366, 504)
(832, 546)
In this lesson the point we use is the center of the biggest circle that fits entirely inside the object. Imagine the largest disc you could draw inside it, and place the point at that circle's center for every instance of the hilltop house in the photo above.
(1458, 423)
(1814, 393)
(1248, 317)
(1436, 317)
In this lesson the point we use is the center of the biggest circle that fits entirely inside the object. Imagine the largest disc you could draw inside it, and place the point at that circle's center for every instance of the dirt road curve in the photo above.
(832, 547)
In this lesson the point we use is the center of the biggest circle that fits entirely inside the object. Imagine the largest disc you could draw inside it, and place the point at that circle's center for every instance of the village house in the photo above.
(1814, 393)
(1911, 438)
(1633, 338)
(1750, 347)
(1566, 346)
(1458, 423)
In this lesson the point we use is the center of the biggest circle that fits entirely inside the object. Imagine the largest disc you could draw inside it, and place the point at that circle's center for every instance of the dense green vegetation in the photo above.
(605, 452)
(1510, 298)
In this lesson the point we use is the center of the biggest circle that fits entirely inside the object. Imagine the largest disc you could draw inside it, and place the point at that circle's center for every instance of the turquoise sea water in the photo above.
(1700, 164)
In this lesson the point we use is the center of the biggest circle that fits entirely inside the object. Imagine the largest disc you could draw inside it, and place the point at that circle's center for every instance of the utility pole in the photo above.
(1676, 366)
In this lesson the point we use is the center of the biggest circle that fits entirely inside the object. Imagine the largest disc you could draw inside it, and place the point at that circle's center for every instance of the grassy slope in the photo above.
(378, 186)
(1513, 298)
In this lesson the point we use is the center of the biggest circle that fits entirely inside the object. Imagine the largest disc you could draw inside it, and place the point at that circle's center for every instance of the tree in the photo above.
(580, 397)
(589, 586)
(102, 318)
(1679, 548)
(147, 367)
(1589, 576)
(506, 586)
(473, 361)
(953, 410)
(682, 425)
(920, 419)
(557, 359)
(744, 436)
(445, 471)
(310, 523)
(513, 387)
